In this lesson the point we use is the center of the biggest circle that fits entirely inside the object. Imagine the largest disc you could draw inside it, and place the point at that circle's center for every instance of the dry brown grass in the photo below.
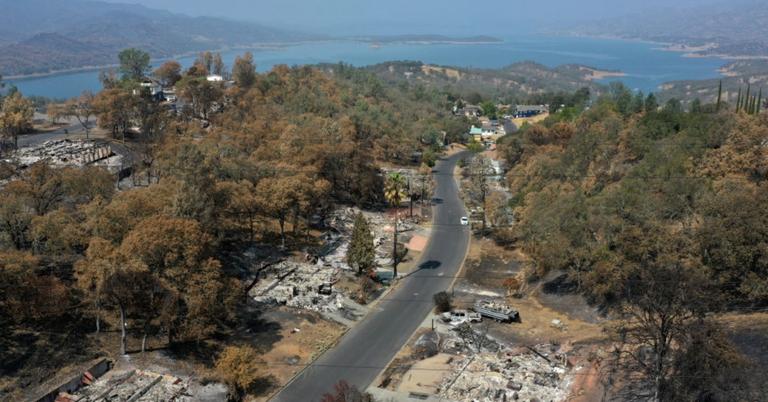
(301, 348)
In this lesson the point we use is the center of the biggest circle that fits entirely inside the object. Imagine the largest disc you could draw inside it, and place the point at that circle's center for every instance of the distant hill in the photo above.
(39, 36)
(519, 80)
(733, 29)
(737, 75)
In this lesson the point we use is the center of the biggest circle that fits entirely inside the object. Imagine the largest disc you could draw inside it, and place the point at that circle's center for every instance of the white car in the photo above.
(457, 317)
(464, 221)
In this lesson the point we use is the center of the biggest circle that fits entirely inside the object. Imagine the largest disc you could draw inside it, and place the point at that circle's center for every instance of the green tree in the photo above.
(622, 96)
(638, 102)
(719, 95)
(394, 193)
(747, 98)
(696, 106)
(480, 172)
(361, 253)
(134, 64)
(673, 106)
(475, 147)
(651, 104)
(733, 241)
(489, 109)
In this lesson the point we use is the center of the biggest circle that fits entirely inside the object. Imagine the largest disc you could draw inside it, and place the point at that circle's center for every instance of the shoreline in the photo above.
(596, 74)
(86, 69)
(725, 57)
(688, 51)
(428, 42)
(255, 47)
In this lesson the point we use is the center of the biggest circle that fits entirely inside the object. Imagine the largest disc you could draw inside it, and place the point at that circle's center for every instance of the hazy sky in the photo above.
(411, 16)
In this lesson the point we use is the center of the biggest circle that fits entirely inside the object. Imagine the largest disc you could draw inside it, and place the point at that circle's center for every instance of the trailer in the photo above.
(497, 311)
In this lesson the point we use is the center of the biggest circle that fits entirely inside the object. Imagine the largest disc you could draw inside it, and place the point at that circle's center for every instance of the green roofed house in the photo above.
(476, 133)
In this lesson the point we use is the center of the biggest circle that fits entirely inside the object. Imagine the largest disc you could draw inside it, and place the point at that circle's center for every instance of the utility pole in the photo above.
(410, 196)
(394, 248)
(423, 184)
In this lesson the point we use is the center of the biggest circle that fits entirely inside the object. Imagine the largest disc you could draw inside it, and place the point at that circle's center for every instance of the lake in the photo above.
(646, 66)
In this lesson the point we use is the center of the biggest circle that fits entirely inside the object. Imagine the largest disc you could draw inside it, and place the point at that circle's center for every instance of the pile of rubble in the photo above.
(300, 285)
(134, 385)
(483, 369)
(510, 375)
(337, 241)
(310, 284)
(61, 153)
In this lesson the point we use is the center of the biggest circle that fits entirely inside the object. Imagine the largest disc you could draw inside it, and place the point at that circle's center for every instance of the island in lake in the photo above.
(427, 40)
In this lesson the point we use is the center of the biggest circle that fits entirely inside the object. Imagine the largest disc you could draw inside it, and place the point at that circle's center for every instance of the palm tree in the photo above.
(394, 192)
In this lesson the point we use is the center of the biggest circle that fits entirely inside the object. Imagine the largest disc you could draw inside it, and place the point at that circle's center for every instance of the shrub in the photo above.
(442, 302)
(367, 288)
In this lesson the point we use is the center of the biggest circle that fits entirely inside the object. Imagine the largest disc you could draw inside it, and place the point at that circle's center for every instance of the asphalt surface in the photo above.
(369, 346)
(30, 140)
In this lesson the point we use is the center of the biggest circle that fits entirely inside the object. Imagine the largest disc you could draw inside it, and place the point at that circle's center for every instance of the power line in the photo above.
(411, 367)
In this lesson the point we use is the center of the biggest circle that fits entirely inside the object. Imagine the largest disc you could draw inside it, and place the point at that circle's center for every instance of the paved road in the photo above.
(74, 130)
(371, 344)
(71, 130)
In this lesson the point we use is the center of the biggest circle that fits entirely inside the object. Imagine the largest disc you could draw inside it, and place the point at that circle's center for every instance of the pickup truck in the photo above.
(497, 311)
(457, 317)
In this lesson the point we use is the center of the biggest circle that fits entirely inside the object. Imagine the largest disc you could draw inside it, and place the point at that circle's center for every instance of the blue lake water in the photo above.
(646, 66)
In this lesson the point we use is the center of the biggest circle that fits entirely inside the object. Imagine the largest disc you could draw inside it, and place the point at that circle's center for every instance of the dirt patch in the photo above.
(557, 292)
(417, 243)
(303, 336)
(530, 120)
(545, 317)
(749, 332)
(539, 324)
(587, 385)
(425, 376)
(393, 375)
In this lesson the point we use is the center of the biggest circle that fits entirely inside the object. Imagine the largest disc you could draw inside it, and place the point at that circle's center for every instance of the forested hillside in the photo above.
(237, 166)
(737, 76)
(724, 28)
(519, 82)
(40, 36)
(658, 216)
